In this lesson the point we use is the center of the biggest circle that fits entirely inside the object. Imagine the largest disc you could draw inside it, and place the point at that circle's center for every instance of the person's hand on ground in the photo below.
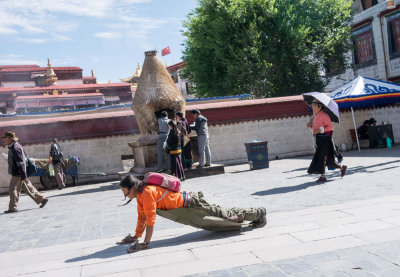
(128, 239)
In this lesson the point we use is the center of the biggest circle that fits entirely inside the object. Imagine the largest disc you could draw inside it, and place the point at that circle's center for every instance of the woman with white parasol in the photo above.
(325, 111)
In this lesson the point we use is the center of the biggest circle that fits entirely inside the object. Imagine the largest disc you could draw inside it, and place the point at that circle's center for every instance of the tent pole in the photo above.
(355, 128)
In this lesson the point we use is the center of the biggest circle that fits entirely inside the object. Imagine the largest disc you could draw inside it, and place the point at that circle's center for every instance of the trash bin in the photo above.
(257, 154)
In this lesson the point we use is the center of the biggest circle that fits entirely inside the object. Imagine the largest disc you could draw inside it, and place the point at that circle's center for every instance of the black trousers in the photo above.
(324, 155)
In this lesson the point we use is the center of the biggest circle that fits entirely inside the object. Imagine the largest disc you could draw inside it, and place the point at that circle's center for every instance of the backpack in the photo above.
(163, 180)
(58, 154)
(31, 168)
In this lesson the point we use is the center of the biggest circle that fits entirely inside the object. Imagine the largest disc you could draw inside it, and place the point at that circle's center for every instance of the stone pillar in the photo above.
(156, 92)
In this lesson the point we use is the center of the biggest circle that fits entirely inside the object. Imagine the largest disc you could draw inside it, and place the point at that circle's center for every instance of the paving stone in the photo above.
(264, 269)
(364, 221)
(294, 266)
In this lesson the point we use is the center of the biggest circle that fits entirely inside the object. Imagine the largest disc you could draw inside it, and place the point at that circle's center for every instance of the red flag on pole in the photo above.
(165, 51)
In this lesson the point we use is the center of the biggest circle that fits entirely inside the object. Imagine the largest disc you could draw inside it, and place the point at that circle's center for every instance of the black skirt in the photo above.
(324, 155)
(176, 166)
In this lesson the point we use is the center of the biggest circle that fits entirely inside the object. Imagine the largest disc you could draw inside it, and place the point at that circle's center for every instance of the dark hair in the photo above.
(174, 127)
(195, 111)
(372, 120)
(180, 114)
(130, 182)
(164, 114)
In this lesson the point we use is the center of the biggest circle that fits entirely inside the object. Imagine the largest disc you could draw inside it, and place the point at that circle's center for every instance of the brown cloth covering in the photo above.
(44, 163)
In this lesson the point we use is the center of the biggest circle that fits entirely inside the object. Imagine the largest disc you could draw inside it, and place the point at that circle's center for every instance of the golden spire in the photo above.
(50, 71)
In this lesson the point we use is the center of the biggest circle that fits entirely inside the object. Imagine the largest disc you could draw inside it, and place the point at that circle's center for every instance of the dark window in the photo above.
(366, 4)
(364, 47)
(174, 77)
(394, 35)
(187, 88)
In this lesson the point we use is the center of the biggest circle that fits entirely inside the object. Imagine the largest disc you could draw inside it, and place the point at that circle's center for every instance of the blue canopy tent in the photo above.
(365, 92)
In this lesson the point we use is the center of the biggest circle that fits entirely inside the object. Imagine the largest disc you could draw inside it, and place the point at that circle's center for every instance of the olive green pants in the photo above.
(204, 215)
(199, 202)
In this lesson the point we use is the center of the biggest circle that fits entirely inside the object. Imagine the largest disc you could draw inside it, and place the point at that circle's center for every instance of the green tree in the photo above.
(265, 47)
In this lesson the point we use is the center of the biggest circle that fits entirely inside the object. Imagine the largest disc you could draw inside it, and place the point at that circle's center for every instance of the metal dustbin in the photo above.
(257, 154)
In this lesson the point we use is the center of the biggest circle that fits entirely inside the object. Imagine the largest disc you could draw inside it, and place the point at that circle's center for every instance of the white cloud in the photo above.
(108, 35)
(13, 59)
(4, 30)
(33, 40)
(44, 21)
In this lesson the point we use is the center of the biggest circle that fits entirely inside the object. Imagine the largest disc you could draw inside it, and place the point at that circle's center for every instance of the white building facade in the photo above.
(376, 41)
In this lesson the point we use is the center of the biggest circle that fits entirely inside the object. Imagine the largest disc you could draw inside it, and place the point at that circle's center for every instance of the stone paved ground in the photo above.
(345, 227)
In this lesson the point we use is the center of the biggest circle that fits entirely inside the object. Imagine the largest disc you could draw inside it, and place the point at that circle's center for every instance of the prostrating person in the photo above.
(186, 205)
(19, 179)
(322, 128)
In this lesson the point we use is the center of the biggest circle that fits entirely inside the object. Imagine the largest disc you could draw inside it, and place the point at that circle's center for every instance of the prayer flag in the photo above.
(165, 51)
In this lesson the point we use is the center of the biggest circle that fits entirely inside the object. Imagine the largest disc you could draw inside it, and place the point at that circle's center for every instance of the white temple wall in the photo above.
(287, 137)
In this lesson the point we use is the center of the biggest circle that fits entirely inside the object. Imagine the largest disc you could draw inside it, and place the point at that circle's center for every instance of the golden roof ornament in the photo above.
(134, 79)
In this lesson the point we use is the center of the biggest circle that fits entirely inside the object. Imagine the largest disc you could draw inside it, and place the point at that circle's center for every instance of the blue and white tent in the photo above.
(365, 92)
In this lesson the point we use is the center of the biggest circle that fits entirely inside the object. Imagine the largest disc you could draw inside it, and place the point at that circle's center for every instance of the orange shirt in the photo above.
(322, 120)
(147, 205)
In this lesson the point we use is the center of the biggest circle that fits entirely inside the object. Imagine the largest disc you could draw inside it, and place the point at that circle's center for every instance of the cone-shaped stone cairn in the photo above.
(156, 91)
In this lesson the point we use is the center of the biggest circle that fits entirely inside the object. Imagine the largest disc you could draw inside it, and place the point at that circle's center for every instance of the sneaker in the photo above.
(262, 221)
(10, 211)
(343, 170)
(44, 202)
(321, 179)
(207, 165)
(200, 166)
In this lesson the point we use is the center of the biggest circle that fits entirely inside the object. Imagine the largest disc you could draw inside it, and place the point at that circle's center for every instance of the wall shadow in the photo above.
(288, 189)
(113, 186)
(336, 173)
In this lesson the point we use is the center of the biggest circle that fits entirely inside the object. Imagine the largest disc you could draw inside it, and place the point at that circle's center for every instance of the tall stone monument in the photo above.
(156, 92)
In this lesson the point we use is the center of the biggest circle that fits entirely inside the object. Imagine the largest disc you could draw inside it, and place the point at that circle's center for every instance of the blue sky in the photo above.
(108, 36)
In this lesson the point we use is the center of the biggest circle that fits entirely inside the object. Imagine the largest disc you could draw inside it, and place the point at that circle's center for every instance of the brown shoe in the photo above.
(343, 170)
(262, 221)
(127, 239)
(10, 211)
(321, 180)
(44, 202)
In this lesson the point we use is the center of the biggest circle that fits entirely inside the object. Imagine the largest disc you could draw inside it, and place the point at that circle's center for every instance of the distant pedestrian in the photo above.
(201, 127)
(175, 151)
(163, 131)
(19, 179)
(324, 155)
(56, 159)
(184, 128)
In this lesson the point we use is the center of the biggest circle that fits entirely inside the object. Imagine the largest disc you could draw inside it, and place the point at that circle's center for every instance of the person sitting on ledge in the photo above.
(152, 198)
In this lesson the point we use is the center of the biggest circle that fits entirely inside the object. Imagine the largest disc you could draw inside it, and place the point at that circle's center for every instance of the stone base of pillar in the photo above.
(144, 153)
